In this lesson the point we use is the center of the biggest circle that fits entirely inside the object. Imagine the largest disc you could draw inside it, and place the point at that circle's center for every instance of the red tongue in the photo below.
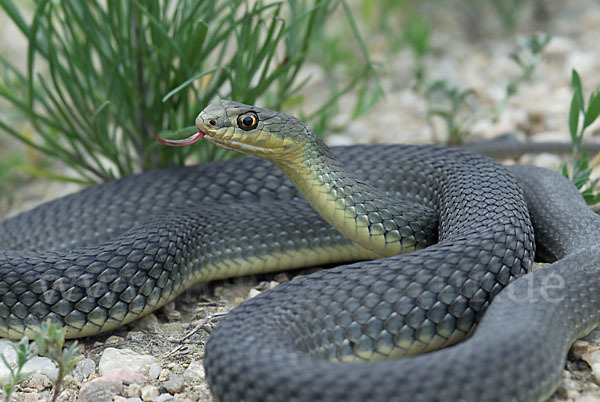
(180, 143)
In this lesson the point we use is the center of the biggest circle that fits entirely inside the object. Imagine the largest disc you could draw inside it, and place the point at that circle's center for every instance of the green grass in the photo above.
(581, 116)
(49, 342)
(103, 76)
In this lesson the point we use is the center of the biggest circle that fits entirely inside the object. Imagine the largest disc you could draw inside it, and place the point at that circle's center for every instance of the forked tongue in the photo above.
(180, 143)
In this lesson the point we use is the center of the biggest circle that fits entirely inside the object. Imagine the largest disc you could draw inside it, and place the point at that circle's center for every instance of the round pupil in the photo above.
(248, 121)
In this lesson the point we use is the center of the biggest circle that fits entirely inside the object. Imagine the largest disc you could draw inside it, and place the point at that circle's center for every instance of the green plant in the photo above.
(508, 11)
(9, 174)
(49, 342)
(335, 50)
(526, 57)
(447, 102)
(417, 33)
(580, 118)
(102, 76)
(25, 352)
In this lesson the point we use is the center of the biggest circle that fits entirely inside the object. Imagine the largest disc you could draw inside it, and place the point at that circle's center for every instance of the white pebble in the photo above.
(113, 359)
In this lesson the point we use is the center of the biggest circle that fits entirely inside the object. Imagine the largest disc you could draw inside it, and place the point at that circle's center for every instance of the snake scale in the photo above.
(103, 257)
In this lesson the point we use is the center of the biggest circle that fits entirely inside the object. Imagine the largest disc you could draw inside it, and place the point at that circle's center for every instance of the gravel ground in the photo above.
(163, 353)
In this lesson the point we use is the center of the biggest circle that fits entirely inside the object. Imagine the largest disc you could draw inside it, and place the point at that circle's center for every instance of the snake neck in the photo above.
(357, 210)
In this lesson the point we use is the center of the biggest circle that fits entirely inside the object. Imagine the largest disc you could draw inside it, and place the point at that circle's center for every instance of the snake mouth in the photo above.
(180, 143)
(238, 146)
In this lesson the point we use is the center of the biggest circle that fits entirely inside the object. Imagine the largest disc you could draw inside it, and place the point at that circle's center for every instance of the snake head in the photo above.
(252, 130)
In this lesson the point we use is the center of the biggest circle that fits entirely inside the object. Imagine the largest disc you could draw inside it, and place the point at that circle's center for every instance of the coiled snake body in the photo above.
(108, 254)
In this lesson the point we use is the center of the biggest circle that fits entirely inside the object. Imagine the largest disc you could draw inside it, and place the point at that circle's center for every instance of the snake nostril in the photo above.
(212, 122)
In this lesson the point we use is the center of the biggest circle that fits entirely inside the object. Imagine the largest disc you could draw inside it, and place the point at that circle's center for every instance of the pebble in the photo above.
(120, 398)
(148, 323)
(115, 359)
(253, 292)
(163, 398)
(590, 353)
(83, 369)
(37, 364)
(549, 161)
(133, 390)
(594, 397)
(114, 340)
(175, 384)
(172, 313)
(26, 397)
(38, 382)
(338, 139)
(164, 375)
(99, 391)
(149, 392)
(194, 372)
(154, 371)
(136, 336)
(42, 365)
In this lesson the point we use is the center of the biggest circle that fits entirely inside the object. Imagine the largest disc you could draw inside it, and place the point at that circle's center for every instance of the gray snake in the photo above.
(108, 254)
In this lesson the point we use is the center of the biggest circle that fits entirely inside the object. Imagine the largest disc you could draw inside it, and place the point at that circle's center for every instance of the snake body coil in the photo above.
(108, 254)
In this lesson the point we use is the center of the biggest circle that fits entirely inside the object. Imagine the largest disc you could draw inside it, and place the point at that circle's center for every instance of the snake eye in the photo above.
(247, 121)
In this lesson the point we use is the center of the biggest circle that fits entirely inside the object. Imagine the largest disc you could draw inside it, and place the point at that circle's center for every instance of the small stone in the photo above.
(133, 390)
(154, 371)
(174, 315)
(194, 372)
(114, 340)
(136, 336)
(114, 359)
(148, 322)
(42, 365)
(38, 364)
(181, 398)
(282, 277)
(178, 368)
(251, 294)
(164, 375)
(83, 369)
(26, 397)
(590, 353)
(99, 391)
(559, 47)
(70, 380)
(68, 395)
(125, 376)
(39, 382)
(546, 160)
(163, 398)
(338, 139)
(588, 398)
(581, 348)
(149, 392)
(175, 384)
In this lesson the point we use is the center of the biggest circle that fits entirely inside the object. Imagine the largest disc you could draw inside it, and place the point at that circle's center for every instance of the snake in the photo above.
(435, 300)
